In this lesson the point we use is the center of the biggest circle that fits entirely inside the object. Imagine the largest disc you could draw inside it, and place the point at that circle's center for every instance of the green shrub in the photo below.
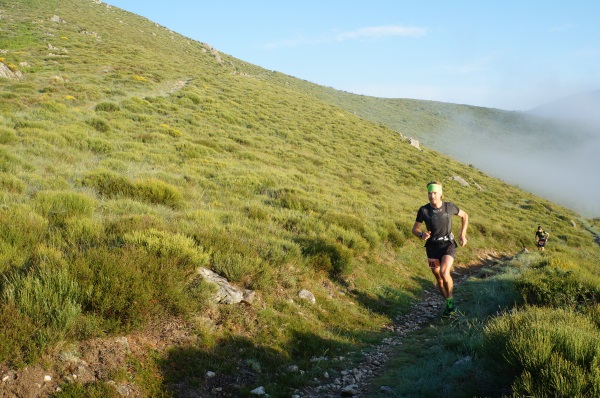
(165, 244)
(108, 183)
(107, 107)
(393, 235)
(21, 229)
(32, 124)
(97, 145)
(594, 313)
(98, 124)
(278, 252)
(157, 192)
(150, 190)
(10, 183)
(293, 199)
(133, 222)
(10, 162)
(553, 353)
(329, 256)
(353, 222)
(17, 337)
(47, 294)
(137, 105)
(8, 136)
(235, 266)
(152, 274)
(257, 213)
(83, 233)
(115, 287)
(548, 285)
(59, 206)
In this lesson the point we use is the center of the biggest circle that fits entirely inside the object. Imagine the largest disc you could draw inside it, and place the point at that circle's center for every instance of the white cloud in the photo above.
(371, 33)
(377, 32)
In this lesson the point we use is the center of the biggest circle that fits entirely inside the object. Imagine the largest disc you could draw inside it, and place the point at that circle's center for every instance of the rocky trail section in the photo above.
(357, 381)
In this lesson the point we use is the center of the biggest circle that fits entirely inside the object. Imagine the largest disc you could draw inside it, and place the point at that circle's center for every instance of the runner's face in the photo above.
(434, 197)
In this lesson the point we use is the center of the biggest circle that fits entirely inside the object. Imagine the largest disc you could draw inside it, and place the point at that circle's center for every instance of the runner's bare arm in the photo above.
(416, 230)
(463, 230)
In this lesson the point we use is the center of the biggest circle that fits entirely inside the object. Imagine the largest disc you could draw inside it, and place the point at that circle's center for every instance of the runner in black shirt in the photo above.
(542, 237)
(439, 240)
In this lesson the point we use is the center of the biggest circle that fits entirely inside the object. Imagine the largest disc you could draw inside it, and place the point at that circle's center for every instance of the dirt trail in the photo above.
(357, 382)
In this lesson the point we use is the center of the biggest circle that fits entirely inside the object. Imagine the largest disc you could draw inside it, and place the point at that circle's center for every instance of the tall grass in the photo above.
(552, 352)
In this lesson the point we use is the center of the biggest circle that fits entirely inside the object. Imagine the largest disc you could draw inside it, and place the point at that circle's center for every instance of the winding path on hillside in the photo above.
(358, 381)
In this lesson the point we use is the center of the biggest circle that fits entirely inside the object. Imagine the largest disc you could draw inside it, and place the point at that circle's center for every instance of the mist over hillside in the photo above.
(565, 174)
(556, 159)
(551, 157)
(582, 108)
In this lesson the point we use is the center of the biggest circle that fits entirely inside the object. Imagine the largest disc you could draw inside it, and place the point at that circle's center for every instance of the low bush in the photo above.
(552, 352)
(549, 285)
(353, 222)
(133, 222)
(292, 199)
(7, 136)
(163, 244)
(16, 337)
(47, 294)
(81, 234)
(235, 266)
(21, 226)
(327, 255)
(107, 107)
(157, 192)
(108, 183)
(100, 125)
(117, 288)
(149, 190)
(11, 184)
(61, 205)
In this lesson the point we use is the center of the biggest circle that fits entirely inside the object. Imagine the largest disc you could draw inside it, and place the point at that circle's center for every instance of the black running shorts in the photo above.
(438, 251)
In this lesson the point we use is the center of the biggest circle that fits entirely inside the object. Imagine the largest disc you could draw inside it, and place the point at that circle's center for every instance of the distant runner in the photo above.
(542, 237)
(439, 240)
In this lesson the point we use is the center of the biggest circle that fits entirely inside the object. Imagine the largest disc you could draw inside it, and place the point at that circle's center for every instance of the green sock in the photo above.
(450, 302)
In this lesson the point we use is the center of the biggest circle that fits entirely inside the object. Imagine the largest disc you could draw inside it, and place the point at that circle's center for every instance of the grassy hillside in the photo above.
(550, 157)
(131, 156)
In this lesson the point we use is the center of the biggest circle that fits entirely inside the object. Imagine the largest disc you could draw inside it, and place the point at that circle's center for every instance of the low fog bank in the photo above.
(580, 108)
(568, 177)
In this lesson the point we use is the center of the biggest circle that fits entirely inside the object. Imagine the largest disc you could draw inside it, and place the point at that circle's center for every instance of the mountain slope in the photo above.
(513, 146)
(131, 156)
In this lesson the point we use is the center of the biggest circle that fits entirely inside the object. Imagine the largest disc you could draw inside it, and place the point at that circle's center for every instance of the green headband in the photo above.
(434, 188)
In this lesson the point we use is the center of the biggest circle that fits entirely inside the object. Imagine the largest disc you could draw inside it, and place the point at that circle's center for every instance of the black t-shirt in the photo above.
(438, 221)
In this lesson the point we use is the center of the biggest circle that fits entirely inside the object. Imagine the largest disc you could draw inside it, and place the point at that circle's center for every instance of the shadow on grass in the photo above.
(449, 351)
(239, 366)
(389, 301)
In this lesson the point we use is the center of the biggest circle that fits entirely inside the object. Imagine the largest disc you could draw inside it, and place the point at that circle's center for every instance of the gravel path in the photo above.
(357, 382)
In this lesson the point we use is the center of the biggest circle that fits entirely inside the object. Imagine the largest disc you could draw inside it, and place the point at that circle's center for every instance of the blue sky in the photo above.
(512, 55)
